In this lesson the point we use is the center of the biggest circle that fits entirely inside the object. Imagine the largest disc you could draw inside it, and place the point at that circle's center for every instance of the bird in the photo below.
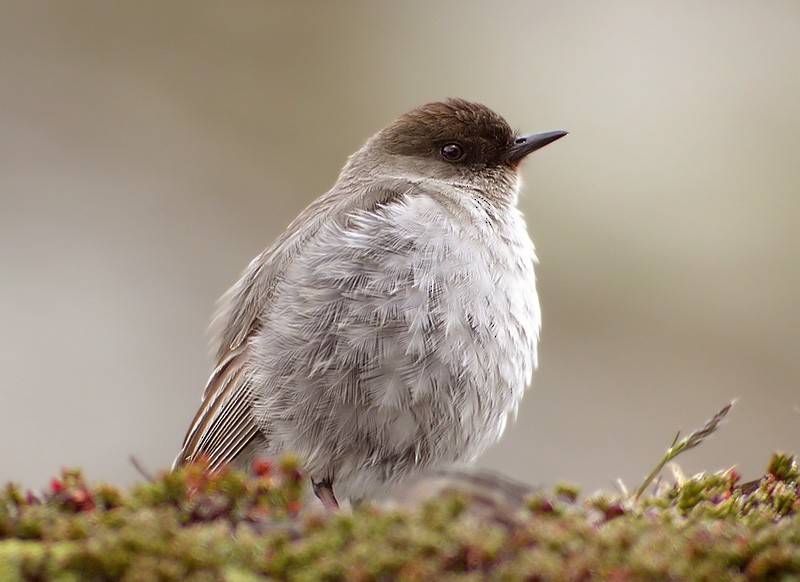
(392, 328)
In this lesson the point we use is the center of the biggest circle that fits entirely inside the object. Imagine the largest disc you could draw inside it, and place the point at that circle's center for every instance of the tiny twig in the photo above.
(677, 447)
(142, 471)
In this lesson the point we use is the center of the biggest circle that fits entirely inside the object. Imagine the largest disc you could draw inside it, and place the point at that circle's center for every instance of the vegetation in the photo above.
(194, 525)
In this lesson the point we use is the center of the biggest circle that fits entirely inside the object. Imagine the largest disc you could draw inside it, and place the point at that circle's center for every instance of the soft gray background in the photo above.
(149, 150)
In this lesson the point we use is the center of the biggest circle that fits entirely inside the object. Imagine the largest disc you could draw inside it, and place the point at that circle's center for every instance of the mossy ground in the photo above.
(190, 525)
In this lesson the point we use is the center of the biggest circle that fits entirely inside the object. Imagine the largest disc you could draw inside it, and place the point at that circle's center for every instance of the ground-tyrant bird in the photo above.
(393, 326)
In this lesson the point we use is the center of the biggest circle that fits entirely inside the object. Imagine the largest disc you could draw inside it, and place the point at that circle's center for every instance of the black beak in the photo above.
(530, 143)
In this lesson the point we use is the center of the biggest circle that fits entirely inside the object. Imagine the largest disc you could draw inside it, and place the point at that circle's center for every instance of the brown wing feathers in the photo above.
(223, 426)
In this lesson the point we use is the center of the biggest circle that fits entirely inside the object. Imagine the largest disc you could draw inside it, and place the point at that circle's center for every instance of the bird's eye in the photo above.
(452, 152)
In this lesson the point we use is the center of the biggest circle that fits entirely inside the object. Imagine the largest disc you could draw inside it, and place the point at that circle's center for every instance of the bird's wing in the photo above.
(223, 426)
(240, 309)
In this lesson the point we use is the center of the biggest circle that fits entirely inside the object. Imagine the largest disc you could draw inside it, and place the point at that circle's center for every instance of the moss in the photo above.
(192, 525)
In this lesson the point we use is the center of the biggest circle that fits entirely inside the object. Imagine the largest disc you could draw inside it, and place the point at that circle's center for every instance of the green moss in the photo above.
(191, 525)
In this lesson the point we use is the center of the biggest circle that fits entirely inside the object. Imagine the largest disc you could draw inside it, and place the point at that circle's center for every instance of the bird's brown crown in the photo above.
(478, 134)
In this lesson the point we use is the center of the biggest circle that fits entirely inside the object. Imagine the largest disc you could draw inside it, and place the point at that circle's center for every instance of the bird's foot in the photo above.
(324, 492)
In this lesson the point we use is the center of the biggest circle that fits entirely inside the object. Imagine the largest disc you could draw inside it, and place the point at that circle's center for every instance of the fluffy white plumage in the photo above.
(399, 360)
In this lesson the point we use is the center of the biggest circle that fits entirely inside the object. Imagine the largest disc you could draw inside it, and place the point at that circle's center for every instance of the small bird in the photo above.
(393, 326)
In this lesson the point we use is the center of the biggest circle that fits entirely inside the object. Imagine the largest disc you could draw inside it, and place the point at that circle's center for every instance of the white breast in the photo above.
(403, 338)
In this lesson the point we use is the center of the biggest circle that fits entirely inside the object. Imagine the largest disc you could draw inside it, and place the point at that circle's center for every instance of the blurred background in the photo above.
(149, 150)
